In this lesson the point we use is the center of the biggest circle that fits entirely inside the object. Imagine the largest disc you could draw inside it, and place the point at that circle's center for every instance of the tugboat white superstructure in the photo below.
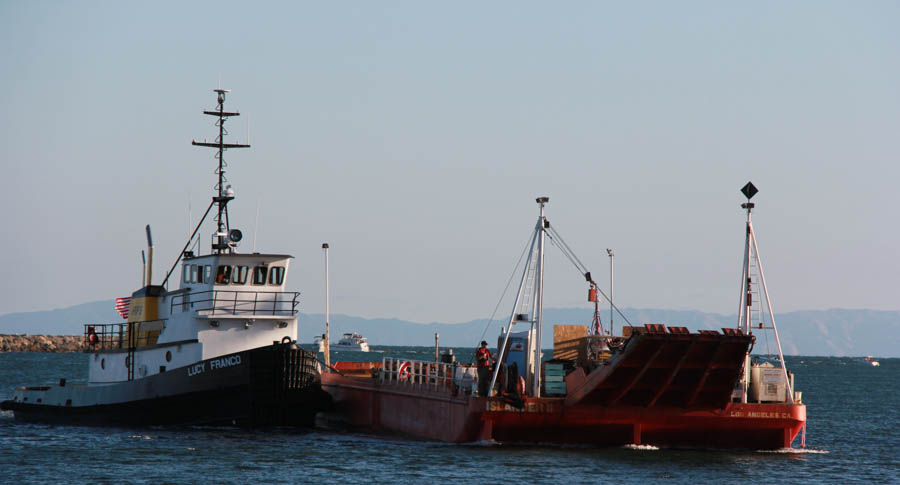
(219, 349)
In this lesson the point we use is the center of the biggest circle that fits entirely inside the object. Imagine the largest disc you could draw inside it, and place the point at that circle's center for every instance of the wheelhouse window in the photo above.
(207, 272)
(187, 274)
(223, 275)
(239, 275)
(194, 273)
(259, 275)
(276, 275)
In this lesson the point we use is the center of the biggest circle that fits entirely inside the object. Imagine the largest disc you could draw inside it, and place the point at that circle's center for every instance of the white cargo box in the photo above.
(767, 383)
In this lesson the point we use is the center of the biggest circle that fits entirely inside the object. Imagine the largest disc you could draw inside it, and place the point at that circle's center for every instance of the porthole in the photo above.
(103, 363)
(168, 356)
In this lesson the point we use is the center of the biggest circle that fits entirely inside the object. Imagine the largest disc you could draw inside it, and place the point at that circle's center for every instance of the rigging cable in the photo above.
(567, 251)
(503, 295)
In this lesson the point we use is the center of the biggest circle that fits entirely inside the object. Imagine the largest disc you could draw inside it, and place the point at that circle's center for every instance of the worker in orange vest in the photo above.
(484, 358)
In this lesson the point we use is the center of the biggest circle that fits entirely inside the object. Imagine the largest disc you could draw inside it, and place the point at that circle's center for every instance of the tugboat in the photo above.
(653, 385)
(221, 349)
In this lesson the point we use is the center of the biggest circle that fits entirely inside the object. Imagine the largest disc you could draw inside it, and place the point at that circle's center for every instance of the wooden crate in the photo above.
(570, 342)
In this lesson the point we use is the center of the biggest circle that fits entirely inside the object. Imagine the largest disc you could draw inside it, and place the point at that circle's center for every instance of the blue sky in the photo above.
(414, 136)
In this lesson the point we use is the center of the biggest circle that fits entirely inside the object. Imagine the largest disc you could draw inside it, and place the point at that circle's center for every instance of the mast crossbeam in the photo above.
(217, 145)
(221, 113)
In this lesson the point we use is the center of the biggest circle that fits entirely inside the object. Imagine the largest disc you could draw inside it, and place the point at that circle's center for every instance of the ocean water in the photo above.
(853, 436)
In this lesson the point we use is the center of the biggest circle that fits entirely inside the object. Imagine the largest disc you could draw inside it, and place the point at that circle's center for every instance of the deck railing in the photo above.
(418, 374)
(230, 302)
(115, 336)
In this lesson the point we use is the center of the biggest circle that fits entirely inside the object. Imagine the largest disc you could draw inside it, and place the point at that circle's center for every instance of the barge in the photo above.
(652, 385)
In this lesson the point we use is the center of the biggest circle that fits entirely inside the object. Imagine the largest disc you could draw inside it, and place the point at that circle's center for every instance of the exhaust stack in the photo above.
(149, 257)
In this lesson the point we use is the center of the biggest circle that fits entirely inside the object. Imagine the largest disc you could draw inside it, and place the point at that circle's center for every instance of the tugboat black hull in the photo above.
(276, 385)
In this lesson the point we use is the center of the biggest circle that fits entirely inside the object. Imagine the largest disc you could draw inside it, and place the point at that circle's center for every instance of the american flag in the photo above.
(122, 306)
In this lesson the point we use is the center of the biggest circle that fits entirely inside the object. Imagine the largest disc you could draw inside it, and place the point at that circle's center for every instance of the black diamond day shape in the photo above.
(749, 190)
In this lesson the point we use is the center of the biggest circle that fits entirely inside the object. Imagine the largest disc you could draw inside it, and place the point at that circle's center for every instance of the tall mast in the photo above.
(751, 254)
(539, 292)
(611, 262)
(749, 191)
(528, 307)
(223, 196)
(327, 308)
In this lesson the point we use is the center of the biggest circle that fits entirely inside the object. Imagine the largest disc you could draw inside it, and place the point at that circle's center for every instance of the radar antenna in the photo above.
(224, 194)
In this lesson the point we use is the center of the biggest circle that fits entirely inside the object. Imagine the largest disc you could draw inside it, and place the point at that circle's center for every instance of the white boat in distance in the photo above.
(349, 341)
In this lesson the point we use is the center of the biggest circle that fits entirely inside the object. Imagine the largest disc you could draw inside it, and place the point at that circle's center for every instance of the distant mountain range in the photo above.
(816, 332)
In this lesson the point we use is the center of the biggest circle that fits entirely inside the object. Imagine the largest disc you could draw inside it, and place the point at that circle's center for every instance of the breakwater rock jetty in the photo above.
(41, 343)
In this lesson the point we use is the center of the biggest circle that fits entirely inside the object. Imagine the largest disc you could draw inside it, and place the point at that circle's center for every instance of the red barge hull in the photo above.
(365, 403)
(666, 387)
